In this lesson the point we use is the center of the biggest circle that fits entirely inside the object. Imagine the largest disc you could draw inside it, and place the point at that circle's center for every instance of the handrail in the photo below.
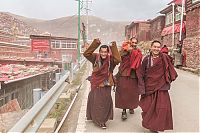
(32, 120)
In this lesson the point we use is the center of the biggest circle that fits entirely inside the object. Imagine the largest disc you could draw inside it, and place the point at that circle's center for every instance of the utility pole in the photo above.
(79, 25)
(83, 34)
(86, 8)
(182, 14)
(79, 30)
(173, 17)
(87, 13)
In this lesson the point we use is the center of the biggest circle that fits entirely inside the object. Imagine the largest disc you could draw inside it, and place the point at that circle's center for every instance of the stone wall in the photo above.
(144, 32)
(193, 23)
(192, 43)
(191, 46)
(156, 27)
(167, 40)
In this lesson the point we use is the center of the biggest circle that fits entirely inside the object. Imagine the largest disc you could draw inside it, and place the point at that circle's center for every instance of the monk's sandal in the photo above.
(124, 115)
(131, 111)
(103, 126)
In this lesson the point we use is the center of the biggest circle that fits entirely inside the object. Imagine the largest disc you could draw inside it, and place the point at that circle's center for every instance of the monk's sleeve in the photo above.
(123, 52)
(136, 58)
(140, 75)
(89, 53)
(115, 53)
(172, 72)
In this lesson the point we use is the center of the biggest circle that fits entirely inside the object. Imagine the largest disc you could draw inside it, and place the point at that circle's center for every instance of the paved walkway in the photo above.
(185, 103)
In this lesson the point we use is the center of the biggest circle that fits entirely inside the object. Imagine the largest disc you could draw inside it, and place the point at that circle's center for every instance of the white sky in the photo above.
(117, 10)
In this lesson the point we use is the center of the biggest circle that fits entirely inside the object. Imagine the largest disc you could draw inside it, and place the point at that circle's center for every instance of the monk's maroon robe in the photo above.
(154, 77)
(127, 94)
(100, 104)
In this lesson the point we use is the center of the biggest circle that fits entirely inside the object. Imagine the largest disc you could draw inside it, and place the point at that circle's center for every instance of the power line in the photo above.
(87, 9)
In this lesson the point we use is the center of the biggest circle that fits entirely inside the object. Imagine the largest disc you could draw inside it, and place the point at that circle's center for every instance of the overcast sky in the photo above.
(116, 10)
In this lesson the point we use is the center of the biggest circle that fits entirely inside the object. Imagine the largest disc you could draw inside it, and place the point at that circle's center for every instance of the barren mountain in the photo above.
(15, 25)
(30, 21)
(68, 27)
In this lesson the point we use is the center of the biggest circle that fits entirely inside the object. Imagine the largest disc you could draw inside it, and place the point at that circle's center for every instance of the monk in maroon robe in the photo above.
(154, 78)
(100, 104)
(127, 94)
(164, 49)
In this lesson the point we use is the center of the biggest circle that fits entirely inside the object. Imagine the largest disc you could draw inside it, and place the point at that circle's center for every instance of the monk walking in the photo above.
(164, 49)
(100, 104)
(127, 93)
(155, 77)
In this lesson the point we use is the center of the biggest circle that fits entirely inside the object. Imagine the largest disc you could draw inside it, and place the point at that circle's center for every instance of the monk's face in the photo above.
(103, 53)
(155, 48)
(134, 43)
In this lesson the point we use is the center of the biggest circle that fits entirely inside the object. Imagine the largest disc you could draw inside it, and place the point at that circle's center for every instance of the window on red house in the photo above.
(53, 44)
(193, 1)
(63, 44)
(57, 44)
(168, 19)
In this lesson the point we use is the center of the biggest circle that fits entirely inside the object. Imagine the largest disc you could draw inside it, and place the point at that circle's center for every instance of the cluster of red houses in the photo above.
(40, 46)
(161, 28)
(32, 63)
(29, 63)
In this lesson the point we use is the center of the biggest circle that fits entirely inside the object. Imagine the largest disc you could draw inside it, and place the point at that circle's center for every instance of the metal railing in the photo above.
(32, 120)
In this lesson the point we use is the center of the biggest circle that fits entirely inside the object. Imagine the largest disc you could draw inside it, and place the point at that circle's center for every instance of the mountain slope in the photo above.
(15, 26)
(68, 27)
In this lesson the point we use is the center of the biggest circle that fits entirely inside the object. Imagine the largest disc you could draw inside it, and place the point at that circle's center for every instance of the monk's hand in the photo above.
(130, 47)
(98, 40)
(113, 43)
(114, 88)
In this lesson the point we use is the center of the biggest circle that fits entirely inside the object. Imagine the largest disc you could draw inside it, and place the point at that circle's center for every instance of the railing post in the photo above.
(71, 71)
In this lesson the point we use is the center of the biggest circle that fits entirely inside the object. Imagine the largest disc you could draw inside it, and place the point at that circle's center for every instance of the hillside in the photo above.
(67, 27)
(13, 25)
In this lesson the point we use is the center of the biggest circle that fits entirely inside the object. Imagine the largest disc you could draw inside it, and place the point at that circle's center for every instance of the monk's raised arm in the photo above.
(89, 53)
(115, 53)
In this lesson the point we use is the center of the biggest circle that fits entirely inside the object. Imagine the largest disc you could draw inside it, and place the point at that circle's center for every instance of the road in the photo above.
(185, 104)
